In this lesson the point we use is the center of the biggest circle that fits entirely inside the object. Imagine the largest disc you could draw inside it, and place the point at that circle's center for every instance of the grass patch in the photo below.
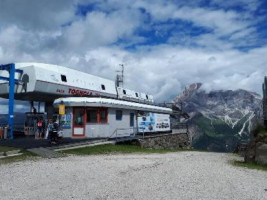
(26, 155)
(5, 149)
(249, 165)
(114, 149)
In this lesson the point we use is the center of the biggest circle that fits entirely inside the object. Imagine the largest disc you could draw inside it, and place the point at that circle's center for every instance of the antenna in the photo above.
(120, 76)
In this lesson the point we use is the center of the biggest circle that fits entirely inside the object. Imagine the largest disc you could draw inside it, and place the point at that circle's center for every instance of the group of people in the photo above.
(49, 131)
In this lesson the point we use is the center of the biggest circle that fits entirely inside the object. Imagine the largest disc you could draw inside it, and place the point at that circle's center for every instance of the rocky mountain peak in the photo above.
(188, 92)
(220, 110)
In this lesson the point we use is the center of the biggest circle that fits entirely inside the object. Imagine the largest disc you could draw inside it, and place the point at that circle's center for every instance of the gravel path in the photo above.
(184, 175)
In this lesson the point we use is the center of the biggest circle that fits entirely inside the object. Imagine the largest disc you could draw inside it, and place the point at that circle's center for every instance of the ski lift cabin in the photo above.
(95, 117)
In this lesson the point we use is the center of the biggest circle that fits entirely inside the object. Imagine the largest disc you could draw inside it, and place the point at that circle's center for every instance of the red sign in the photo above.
(80, 92)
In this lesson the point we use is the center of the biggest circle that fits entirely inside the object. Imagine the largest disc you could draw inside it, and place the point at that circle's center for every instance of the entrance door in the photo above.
(78, 122)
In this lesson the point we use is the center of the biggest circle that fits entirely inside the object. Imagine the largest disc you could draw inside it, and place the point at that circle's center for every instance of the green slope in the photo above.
(217, 135)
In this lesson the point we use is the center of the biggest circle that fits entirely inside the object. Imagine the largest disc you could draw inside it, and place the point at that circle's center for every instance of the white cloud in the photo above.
(99, 29)
(32, 15)
(51, 32)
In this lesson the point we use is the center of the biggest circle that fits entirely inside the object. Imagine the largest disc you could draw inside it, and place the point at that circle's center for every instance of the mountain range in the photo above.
(219, 119)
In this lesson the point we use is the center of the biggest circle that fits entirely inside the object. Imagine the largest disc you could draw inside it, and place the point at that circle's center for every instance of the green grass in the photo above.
(26, 155)
(5, 149)
(249, 165)
(114, 149)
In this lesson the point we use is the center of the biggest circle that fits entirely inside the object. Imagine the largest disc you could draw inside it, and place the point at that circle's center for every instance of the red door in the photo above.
(79, 122)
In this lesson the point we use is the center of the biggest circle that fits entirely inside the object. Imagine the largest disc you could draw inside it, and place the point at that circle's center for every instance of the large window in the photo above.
(103, 115)
(97, 115)
(118, 114)
(78, 116)
(91, 115)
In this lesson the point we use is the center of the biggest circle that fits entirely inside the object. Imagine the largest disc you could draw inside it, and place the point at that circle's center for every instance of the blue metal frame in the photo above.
(12, 81)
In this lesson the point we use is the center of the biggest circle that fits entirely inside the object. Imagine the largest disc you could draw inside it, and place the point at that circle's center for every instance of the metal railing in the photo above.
(125, 132)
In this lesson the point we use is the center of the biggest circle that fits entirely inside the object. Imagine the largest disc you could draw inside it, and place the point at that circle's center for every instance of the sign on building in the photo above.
(153, 122)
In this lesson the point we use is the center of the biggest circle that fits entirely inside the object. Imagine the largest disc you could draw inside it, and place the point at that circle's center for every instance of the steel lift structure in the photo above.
(10, 68)
(264, 101)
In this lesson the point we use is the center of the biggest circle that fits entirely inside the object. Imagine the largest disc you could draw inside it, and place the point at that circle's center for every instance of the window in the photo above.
(63, 78)
(131, 119)
(97, 115)
(78, 116)
(103, 87)
(124, 91)
(103, 115)
(91, 115)
(118, 114)
(146, 97)
(136, 94)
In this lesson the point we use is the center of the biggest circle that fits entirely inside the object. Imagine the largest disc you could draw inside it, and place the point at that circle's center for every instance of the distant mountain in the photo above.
(219, 119)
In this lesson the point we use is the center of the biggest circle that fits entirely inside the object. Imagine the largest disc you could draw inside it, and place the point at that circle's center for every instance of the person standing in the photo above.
(40, 128)
(54, 133)
(49, 129)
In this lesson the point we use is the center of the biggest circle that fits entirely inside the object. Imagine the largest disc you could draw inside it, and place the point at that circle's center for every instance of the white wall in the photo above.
(106, 130)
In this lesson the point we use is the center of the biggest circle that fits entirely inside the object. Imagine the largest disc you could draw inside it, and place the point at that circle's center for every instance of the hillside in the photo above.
(219, 119)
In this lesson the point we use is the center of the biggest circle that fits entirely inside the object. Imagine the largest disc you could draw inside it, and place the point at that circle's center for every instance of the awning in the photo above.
(110, 103)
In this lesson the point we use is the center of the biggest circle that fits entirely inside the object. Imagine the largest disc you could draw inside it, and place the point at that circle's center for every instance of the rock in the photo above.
(261, 154)
(170, 141)
(250, 152)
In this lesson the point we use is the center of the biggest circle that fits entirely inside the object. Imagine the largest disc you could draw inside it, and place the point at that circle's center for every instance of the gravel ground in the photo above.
(182, 175)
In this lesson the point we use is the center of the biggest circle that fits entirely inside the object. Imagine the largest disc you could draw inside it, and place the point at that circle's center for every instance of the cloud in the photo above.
(34, 15)
(164, 45)
(167, 69)
(99, 29)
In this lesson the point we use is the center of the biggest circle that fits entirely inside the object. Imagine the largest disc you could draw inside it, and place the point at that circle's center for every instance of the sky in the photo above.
(163, 44)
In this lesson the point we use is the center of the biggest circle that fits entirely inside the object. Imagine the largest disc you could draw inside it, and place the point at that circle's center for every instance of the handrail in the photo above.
(135, 130)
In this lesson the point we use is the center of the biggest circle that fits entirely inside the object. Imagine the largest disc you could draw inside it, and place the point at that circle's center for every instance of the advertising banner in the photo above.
(66, 119)
(153, 122)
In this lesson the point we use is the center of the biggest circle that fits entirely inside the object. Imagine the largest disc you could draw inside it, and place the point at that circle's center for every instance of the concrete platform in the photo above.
(31, 142)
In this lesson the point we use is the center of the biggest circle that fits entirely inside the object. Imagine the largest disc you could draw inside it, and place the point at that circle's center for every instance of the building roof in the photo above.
(110, 103)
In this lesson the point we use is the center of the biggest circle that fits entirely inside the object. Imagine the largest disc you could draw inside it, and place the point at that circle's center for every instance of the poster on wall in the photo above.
(153, 122)
(66, 119)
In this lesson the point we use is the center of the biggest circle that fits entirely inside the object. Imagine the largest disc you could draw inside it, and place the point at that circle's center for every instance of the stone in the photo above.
(170, 141)
(261, 154)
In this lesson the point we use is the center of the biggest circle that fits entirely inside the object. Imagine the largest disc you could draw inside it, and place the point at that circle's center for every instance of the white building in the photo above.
(102, 117)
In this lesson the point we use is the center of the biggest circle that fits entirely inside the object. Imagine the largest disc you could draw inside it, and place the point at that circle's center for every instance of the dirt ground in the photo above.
(181, 175)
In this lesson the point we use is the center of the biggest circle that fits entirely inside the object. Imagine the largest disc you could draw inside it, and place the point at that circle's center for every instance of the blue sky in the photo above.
(164, 44)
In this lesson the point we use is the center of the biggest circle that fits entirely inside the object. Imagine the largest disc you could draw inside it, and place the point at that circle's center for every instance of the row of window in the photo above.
(136, 94)
(98, 115)
(64, 79)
